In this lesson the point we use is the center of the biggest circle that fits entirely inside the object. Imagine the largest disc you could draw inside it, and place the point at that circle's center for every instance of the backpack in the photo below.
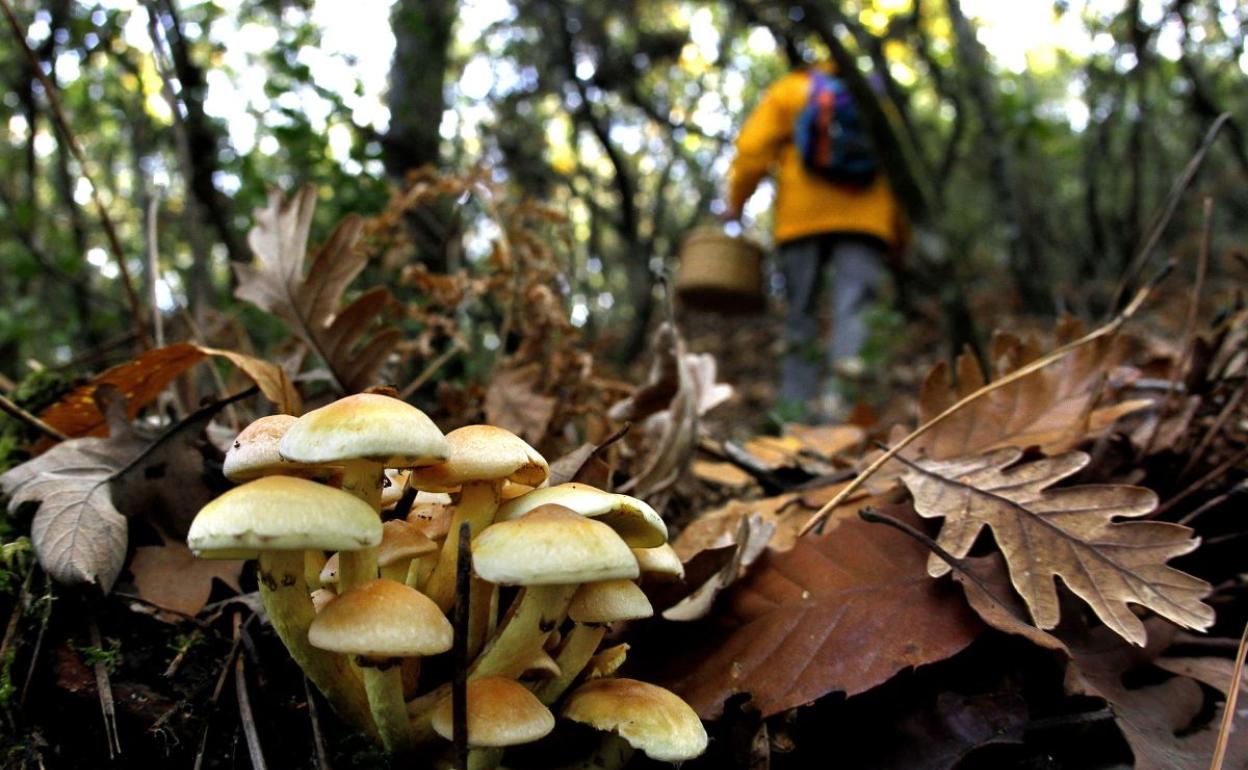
(830, 136)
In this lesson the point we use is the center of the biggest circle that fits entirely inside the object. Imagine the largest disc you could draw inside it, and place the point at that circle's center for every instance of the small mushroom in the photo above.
(550, 551)
(607, 662)
(645, 716)
(364, 434)
(634, 520)
(401, 545)
(594, 606)
(501, 713)
(254, 453)
(381, 622)
(281, 517)
(482, 458)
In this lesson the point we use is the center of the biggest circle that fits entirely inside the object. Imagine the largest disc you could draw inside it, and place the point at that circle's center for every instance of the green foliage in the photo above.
(109, 656)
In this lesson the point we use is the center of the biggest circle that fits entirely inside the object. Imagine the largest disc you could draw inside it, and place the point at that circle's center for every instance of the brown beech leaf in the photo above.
(843, 611)
(1054, 408)
(1068, 532)
(513, 402)
(141, 380)
(345, 338)
(169, 576)
(1156, 719)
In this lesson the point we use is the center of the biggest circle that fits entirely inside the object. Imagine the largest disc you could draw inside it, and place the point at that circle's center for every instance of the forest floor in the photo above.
(1000, 702)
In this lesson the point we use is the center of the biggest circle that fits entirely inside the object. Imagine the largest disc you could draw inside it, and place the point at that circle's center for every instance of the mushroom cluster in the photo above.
(363, 605)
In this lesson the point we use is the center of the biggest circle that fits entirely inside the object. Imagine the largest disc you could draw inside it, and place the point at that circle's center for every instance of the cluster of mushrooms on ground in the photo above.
(360, 622)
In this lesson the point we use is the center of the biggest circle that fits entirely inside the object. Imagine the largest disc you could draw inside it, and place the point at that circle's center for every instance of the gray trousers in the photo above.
(857, 264)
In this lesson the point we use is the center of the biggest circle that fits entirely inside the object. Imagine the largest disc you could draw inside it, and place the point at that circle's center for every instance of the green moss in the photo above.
(110, 657)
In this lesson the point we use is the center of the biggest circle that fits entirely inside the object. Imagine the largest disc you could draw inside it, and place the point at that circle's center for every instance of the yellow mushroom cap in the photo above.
(254, 451)
(649, 717)
(660, 560)
(483, 453)
(609, 601)
(366, 426)
(606, 662)
(401, 540)
(551, 545)
(501, 712)
(381, 619)
(635, 521)
(284, 513)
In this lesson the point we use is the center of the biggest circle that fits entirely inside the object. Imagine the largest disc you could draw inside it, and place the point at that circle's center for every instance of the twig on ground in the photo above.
(1210, 504)
(182, 650)
(216, 691)
(43, 628)
(1136, 267)
(1107, 330)
(23, 416)
(105, 690)
(15, 617)
(71, 141)
(244, 708)
(1232, 695)
(1188, 348)
(1199, 483)
(1219, 423)
(459, 651)
(318, 740)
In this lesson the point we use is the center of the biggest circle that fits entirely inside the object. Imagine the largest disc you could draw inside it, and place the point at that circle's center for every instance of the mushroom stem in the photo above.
(364, 480)
(538, 611)
(284, 592)
(482, 605)
(574, 655)
(385, 696)
(484, 758)
(418, 570)
(477, 504)
(612, 753)
(420, 713)
(313, 563)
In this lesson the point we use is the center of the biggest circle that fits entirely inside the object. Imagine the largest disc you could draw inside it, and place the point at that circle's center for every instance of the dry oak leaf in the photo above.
(840, 612)
(1068, 532)
(1054, 408)
(1156, 719)
(142, 379)
(77, 533)
(512, 402)
(343, 337)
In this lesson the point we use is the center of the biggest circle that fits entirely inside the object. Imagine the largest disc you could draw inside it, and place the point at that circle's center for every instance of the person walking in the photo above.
(846, 218)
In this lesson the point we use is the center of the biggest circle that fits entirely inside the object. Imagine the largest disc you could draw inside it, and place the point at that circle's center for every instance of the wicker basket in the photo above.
(720, 273)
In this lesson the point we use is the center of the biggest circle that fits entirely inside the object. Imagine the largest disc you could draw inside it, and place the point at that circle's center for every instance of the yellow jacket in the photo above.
(806, 203)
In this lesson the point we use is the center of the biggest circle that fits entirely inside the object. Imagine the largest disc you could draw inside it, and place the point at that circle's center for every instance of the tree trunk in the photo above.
(422, 39)
(1026, 260)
